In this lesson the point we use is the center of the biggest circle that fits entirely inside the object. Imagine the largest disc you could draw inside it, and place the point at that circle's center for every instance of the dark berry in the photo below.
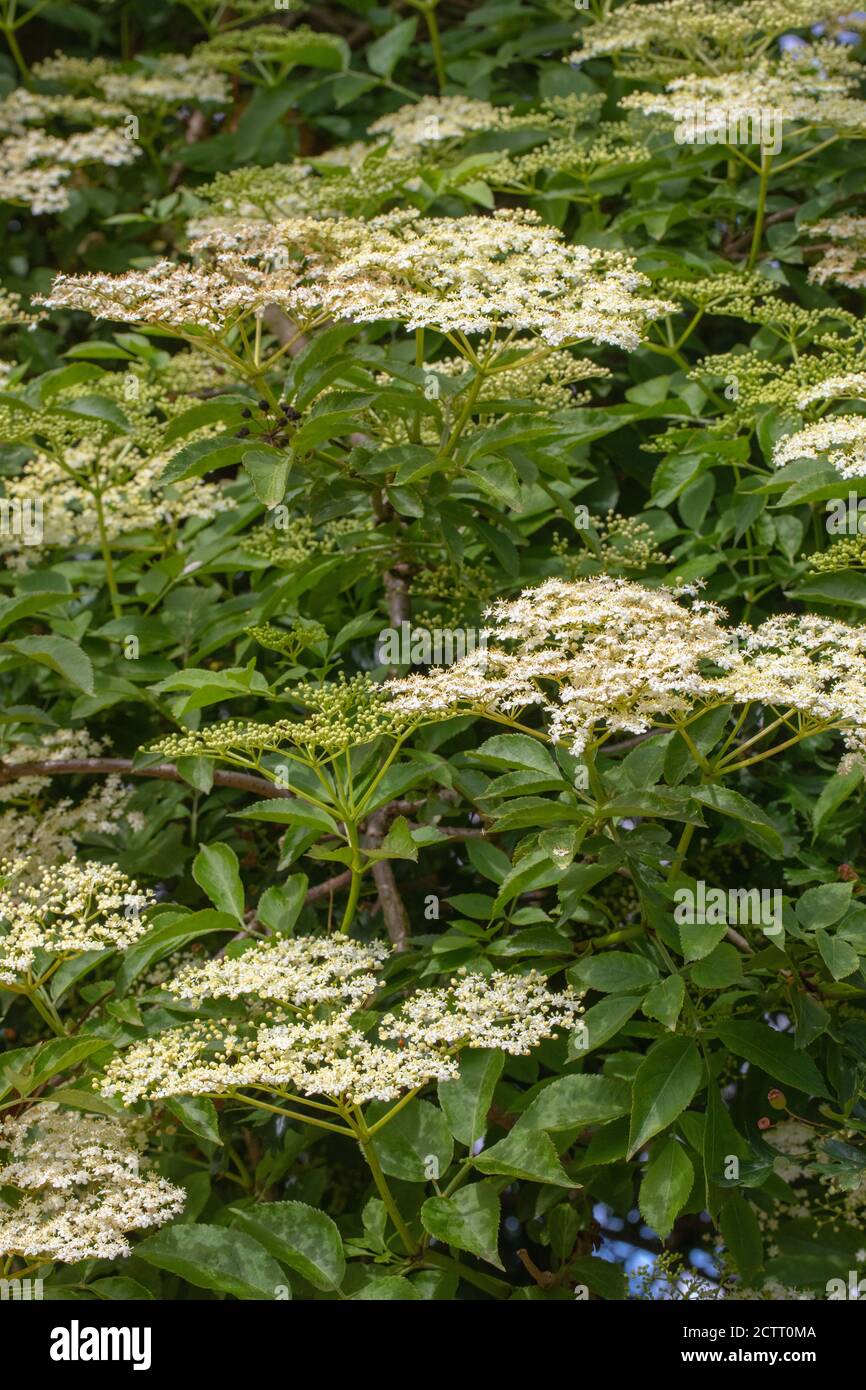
(242, 434)
(247, 414)
(263, 405)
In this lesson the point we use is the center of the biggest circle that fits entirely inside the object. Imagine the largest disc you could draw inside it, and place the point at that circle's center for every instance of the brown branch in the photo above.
(330, 885)
(393, 908)
(104, 767)
(742, 243)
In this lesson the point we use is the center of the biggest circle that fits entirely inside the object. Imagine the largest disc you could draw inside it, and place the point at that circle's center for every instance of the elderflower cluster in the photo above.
(288, 545)
(64, 910)
(693, 35)
(841, 439)
(302, 1046)
(326, 1056)
(511, 1012)
(23, 108)
(36, 166)
(609, 654)
(268, 48)
(51, 832)
(292, 970)
(615, 654)
(464, 274)
(132, 497)
(433, 120)
(813, 666)
(82, 1185)
(177, 81)
(343, 714)
(813, 86)
(843, 255)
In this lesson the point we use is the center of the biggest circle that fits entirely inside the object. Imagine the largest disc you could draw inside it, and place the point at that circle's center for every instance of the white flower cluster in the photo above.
(313, 1044)
(460, 275)
(710, 35)
(813, 86)
(82, 1185)
(511, 1012)
(843, 255)
(65, 910)
(37, 166)
(602, 654)
(301, 971)
(435, 119)
(839, 438)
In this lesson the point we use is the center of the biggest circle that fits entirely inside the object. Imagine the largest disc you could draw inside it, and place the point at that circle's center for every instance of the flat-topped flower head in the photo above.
(83, 1186)
(812, 86)
(841, 439)
(661, 40)
(327, 1054)
(588, 652)
(603, 654)
(433, 120)
(64, 910)
(37, 167)
(298, 971)
(468, 275)
(843, 252)
(511, 1012)
(317, 1057)
(343, 714)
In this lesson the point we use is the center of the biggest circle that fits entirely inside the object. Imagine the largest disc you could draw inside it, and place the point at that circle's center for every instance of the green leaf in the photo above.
(601, 1023)
(214, 1257)
(202, 456)
(300, 1236)
(666, 1186)
(517, 751)
(469, 1220)
(731, 803)
(742, 1235)
(280, 906)
(616, 972)
(392, 1289)
(121, 1289)
(833, 794)
(665, 1000)
(198, 1115)
(775, 1053)
(289, 810)
(822, 906)
(839, 957)
(572, 1102)
(416, 1145)
(269, 470)
(466, 1100)
(24, 605)
(526, 1154)
(215, 869)
(168, 936)
(57, 653)
(384, 53)
(664, 1084)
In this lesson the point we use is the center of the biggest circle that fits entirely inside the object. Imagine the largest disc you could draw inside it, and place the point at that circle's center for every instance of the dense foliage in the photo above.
(433, 670)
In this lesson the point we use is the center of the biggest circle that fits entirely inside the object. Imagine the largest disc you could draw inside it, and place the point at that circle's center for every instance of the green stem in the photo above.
(47, 1011)
(369, 1152)
(14, 49)
(357, 876)
(106, 555)
(766, 161)
(429, 11)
